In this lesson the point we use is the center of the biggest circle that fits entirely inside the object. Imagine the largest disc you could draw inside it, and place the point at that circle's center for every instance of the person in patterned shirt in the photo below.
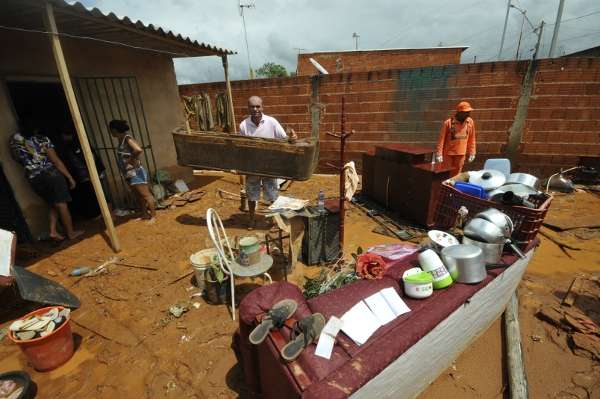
(48, 177)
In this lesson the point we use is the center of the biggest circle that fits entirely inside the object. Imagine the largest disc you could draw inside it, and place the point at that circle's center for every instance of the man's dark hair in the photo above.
(119, 125)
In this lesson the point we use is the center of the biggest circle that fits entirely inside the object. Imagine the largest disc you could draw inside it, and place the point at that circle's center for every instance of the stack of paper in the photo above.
(364, 318)
(327, 337)
(7, 240)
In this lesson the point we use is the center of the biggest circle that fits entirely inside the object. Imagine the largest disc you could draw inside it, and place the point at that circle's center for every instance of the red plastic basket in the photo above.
(527, 221)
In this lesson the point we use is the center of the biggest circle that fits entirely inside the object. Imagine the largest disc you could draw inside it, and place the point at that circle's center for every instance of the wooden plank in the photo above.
(572, 292)
(65, 79)
(563, 223)
(517, 378)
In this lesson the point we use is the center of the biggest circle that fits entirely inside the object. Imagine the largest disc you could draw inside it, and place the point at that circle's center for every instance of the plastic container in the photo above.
(431, 262)
(201, 261)
(321, 202)
(471, 189)
(417, 283)
(526, 221)
(49, 352)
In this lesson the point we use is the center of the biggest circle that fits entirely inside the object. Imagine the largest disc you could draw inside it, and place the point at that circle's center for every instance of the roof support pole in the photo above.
(232, 123)
(229, 95)
(65, 79)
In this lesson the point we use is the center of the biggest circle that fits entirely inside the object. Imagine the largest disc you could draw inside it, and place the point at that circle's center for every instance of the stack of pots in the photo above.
(491, 230)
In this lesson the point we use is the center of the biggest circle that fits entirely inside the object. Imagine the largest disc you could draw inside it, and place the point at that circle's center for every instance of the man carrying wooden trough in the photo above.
(261, 125)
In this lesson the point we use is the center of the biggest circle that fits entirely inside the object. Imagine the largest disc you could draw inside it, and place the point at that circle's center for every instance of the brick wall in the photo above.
(372, 60)
(409, 105)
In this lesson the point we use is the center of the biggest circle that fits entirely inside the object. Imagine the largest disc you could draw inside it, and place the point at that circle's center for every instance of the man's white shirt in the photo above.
(268, 127)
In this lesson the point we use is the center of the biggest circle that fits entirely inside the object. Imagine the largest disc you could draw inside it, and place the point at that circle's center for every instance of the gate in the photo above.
(101, 100)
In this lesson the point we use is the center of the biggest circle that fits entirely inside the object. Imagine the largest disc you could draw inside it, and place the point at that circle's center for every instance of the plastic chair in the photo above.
(499, 164)
(227, 262)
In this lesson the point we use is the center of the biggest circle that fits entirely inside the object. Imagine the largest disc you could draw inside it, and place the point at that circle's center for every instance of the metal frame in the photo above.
(115, 97)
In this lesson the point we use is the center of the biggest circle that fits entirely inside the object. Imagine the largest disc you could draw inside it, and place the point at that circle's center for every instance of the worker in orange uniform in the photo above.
(457, 139)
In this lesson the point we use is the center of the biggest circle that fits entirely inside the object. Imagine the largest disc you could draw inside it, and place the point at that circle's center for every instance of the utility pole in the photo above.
(537, 45)
(242, 6)
(504, 30)
(521, 34)
(561, 5)
(355, 36)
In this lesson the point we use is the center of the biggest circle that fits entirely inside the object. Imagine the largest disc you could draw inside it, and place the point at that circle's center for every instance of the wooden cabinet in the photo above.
(402, 179)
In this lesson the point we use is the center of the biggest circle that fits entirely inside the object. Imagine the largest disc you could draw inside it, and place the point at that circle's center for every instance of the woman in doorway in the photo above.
(46, 173)
(128, 158)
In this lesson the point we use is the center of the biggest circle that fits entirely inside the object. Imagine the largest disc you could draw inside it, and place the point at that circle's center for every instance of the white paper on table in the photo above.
(6, 260)
(396, 303)
(327, 337)
(359, 323)
(287, 203)
(380, 308)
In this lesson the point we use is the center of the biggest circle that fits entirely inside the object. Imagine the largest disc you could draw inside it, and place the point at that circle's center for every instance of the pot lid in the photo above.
(520, 190)
(462, 251)
(489, 179)
(419, 278)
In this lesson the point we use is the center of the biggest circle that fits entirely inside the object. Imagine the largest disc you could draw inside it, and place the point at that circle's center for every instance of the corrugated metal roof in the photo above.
(77, 20)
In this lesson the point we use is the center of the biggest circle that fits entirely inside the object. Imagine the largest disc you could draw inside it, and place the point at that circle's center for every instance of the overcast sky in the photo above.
(277, 28)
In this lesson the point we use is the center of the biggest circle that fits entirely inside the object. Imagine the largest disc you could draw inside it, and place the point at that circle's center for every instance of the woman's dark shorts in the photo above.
(51, 185)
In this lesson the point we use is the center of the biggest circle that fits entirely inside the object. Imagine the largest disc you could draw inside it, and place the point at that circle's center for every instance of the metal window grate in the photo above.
(102, 99)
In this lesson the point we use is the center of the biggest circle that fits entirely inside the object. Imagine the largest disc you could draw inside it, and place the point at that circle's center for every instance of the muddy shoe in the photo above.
(305, 332)
(275, 318)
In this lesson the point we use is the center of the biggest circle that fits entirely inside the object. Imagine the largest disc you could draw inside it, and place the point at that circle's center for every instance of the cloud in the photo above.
(277, 27)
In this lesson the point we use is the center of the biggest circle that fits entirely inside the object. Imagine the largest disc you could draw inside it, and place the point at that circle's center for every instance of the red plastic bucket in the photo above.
(49, 352)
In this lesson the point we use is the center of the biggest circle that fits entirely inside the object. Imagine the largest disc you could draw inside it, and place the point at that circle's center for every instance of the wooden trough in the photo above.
(247, 155)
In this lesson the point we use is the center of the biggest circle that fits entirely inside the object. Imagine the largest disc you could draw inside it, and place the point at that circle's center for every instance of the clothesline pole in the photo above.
(343, 136)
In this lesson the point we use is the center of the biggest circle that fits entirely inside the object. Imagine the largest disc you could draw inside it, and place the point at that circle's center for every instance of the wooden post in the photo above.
(65, 79)
(232, 121)
(229, 95)
(517, 379)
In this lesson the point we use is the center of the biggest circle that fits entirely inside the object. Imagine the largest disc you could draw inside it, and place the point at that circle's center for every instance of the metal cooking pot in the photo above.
(468, 263)
(492, 253)
(483, 230)
(499, 218)
(489, 179)
(467, 260)
(522, 178)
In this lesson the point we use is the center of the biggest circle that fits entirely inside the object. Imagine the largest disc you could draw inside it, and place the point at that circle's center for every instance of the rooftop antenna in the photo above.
(242, 6)
(355, 36)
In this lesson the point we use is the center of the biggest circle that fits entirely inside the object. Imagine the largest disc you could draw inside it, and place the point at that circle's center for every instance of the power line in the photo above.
(68, 35)
(579, 17)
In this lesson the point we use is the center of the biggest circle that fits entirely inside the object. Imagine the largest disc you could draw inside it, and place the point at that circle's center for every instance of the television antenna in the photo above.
(241, 7)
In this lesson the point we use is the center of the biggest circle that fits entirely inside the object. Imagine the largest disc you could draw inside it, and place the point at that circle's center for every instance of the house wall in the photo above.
(409, 105)
(372, 60)
(29, 55)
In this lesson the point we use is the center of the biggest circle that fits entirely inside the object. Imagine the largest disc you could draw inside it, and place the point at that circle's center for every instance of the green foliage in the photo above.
(272, 70)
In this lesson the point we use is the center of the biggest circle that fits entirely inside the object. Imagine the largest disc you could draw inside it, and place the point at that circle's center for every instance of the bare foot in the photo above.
(76, 234)
(57, 237)
(151, 221)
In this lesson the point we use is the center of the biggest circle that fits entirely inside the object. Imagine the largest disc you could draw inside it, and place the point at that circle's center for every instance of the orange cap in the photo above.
(463, 106)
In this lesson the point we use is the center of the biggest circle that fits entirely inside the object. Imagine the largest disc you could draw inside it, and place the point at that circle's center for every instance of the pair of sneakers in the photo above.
(304, 332)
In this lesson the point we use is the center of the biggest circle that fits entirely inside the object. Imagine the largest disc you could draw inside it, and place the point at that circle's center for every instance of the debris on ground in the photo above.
(178, 309)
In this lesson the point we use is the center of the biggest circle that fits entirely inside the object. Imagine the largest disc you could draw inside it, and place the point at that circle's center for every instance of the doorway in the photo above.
(43, 106)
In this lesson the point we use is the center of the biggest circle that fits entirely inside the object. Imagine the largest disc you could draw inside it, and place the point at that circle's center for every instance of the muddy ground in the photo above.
(128, 345)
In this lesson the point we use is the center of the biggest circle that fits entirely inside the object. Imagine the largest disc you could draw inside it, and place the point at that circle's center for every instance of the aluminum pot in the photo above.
(522, 178)
(492, 253)
(467, 260)
(489, 179)
(485, 231)
(499, 218)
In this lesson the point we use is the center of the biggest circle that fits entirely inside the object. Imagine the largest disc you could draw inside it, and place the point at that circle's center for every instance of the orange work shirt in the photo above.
(457, 138)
